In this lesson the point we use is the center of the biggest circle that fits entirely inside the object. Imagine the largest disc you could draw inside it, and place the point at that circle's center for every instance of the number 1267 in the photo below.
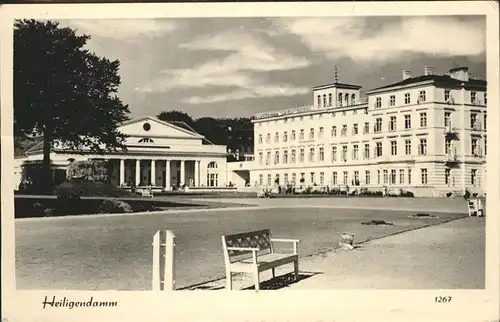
(442, 299)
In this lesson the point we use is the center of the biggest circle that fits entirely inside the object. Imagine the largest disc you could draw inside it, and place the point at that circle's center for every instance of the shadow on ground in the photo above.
(276, 283)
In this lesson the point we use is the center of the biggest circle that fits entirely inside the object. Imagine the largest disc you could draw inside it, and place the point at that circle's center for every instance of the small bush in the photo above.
(407, 194)
(449, 194)
(68, 204)
(114, 206)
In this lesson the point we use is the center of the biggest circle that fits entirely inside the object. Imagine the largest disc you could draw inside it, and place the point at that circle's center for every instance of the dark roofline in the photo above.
(338, 85)
(458, 68)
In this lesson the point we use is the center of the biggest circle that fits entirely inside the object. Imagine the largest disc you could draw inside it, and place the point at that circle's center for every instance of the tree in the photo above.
(64, 92)
(176, 116)
(212, 129)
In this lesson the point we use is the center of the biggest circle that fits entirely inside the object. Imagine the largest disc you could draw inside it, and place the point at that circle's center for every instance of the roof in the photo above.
(444, 80)
(338, 85)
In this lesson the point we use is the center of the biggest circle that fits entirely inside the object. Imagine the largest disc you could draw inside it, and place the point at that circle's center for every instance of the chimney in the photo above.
(406, 74)
(428, 70)
(460, 73)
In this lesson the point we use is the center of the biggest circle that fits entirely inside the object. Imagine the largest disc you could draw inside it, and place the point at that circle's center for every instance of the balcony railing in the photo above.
(307, 108)
(451, 156)
(449, 129)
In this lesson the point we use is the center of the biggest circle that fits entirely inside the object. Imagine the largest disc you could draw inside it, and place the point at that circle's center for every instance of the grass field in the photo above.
(106, 253)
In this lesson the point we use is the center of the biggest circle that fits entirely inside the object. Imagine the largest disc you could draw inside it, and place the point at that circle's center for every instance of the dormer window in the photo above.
(146, 140)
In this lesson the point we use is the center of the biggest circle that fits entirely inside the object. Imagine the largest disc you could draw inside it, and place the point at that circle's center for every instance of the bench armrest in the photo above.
(288, 240)
(285, 240)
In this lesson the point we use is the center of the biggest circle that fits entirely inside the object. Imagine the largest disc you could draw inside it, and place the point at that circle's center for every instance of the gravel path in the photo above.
(446, 256)
(115, 252)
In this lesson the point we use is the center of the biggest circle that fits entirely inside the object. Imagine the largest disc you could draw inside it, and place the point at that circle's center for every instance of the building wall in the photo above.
(425, 106)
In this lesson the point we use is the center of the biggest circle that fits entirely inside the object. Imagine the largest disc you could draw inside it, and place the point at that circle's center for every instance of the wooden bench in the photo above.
(148, 193)
(253, 252)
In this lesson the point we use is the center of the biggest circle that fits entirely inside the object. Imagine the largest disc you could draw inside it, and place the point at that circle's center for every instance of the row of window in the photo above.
(422, 97)
(344, 130)
(386, 177)
(378, 151)
(342, 100)
(392, 126)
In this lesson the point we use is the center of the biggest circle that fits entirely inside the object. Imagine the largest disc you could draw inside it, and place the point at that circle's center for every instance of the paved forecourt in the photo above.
(115, 252)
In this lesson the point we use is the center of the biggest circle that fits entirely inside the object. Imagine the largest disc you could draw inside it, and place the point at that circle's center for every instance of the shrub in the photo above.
(90, 170)
(68, 204)
(449, 194)
(407, 194)
(114, 206)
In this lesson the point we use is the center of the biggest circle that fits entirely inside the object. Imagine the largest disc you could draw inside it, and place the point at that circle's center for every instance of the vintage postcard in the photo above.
(250, 161)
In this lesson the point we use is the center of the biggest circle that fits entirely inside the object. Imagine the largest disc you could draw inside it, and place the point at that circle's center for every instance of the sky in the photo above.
(237, 67)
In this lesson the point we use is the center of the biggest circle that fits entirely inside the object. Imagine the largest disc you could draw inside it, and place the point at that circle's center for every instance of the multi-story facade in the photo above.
(425, 134)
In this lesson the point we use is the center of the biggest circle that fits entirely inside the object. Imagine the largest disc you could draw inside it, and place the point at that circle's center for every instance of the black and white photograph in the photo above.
(251, 154)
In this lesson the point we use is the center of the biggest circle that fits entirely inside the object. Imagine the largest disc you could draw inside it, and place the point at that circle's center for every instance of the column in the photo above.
(153, 173)
(122, 171)
(183, 172)
(167, 175)
(137, 172)
(196, 173)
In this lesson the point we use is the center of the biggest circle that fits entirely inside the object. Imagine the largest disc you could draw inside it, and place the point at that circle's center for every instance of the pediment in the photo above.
(152, 127)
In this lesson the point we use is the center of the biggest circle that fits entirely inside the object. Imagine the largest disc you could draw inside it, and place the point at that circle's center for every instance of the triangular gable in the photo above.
(150, 126)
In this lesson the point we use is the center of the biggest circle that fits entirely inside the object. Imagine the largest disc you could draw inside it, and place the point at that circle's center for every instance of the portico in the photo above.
(157, 172)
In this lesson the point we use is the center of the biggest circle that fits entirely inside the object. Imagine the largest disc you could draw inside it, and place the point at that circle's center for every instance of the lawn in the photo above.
(106, 253)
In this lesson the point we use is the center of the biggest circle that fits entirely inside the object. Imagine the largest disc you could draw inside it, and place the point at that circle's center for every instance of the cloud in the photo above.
(353, 37)
(253, 92)
(246, 56)
(124, 29)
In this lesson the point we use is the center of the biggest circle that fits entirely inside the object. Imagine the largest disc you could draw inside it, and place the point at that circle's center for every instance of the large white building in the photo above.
(425, 134)
(163, 154)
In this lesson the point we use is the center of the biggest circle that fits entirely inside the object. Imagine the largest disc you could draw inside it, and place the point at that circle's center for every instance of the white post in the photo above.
(153, 173)
(183, 172)
(167, 175)
(122, 171)
(196, 173)
(137, 172)
(156, 262)
(169, 279)
(163, 275)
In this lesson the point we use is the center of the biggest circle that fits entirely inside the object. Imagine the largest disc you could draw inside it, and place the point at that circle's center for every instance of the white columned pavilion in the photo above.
(169, 153)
